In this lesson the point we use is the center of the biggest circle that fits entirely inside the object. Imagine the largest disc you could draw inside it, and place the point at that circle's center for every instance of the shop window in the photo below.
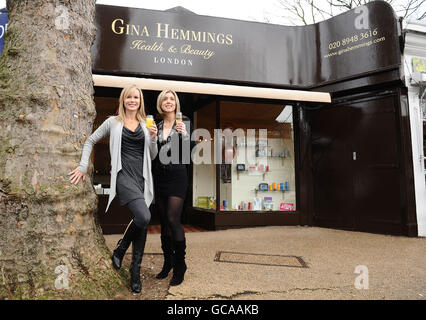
(204, 168)
(255, 146)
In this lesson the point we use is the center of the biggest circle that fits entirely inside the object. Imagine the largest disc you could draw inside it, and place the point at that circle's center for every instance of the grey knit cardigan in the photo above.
(114, 128)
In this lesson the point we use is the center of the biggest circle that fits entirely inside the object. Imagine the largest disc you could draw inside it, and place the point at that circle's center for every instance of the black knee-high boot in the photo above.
(137, 254)
(167, 246)
(123, 244)
(179, 265)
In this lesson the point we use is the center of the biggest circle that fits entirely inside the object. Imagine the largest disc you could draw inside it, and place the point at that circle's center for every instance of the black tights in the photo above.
(170, 210)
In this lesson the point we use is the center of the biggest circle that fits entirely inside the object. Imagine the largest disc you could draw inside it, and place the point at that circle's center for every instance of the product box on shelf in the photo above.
(268, 204)
(286, 206)
(203, 202)
(212, 203)
(257, 203)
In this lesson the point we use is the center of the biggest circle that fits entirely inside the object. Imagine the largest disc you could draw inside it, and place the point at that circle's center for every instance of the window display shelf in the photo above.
(236, 219)
(281, 157)
(253, 173)
(256, 191)
(274, 158)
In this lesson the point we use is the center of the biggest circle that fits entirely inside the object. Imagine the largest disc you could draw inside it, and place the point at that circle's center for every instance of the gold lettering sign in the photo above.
(166, 31)
(119, 27)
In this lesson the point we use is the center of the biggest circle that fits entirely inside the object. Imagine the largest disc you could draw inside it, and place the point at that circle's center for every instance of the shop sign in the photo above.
(3, 27)
(174, 45)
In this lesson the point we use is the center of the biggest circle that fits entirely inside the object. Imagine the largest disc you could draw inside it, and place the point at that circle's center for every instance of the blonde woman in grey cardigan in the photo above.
(132, 147)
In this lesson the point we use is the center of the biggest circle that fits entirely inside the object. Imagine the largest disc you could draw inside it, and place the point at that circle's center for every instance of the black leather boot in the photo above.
(137, 254)
(179, 265)
(123, 244)
(166, 245)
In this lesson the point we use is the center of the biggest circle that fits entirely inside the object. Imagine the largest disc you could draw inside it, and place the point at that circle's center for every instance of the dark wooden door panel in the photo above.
(331, 166)
(376, 168)
(374, 134)
(355, 164)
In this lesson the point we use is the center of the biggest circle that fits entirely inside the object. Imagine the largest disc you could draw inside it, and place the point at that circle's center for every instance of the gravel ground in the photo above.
(392, 267)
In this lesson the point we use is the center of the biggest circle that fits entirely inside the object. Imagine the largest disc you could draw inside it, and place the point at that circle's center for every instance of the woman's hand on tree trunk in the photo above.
(76, 175)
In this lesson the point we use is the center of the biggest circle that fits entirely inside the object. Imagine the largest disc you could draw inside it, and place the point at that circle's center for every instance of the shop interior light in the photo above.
(212, 89)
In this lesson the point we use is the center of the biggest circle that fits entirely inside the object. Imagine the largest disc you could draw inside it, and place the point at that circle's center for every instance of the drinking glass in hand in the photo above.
(149, 121)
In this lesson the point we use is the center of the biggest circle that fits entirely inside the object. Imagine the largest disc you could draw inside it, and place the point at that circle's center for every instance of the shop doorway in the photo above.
(356, 165)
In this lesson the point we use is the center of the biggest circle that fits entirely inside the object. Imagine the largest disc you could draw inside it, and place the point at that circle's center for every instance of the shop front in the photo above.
(292, 125)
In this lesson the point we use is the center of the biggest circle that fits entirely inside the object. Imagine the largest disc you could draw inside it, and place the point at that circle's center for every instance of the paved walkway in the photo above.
(260, 263)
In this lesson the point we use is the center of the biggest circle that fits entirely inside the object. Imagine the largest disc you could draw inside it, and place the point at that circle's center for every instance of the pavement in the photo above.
(297, 263)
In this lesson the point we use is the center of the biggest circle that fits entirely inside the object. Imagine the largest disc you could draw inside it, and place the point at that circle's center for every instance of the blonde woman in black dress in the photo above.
(171, 182)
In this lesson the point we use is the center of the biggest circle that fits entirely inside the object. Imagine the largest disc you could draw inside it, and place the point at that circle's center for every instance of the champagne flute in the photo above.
(178, 117)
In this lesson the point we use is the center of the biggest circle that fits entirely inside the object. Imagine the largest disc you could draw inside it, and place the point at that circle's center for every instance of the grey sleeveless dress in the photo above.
(130, 181)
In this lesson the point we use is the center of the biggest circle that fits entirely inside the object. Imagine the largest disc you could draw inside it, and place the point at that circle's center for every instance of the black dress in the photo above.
(130, 181)
(171, 178)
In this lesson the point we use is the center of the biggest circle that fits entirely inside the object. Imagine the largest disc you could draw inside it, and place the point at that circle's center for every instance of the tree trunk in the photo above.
(50, 243)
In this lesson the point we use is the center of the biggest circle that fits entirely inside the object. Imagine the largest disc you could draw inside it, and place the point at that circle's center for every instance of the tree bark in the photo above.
(50, 243)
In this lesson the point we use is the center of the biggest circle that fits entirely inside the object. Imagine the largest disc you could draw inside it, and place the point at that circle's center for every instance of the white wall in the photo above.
(415, 46)
(204, 181)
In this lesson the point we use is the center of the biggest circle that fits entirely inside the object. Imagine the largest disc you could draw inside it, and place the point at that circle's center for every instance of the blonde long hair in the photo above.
(161, 98)
(140, 115)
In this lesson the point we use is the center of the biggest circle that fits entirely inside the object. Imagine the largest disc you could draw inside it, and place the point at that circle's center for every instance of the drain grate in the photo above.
(260, 259)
